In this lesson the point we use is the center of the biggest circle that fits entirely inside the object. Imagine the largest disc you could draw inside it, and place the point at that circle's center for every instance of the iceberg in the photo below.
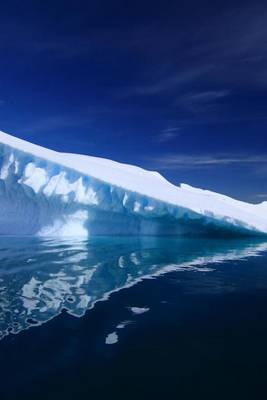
(48, 193)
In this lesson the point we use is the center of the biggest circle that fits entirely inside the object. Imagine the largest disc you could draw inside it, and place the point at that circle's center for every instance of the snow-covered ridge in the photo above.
(45, 192)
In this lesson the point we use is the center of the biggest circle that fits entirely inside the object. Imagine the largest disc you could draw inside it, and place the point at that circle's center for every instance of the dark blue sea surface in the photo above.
(133, 318)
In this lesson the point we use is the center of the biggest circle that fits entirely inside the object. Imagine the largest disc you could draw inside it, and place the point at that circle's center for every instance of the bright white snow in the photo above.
(45, 192)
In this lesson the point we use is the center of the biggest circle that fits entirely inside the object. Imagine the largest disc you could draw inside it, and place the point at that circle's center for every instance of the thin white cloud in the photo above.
(201, 101)
(169, 83)
(206, 96)
(178, 161)
(168, 134)
(56, 122)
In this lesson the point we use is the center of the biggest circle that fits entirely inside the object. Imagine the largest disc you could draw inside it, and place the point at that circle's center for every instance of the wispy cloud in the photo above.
(168, 134)
(181, 161)
(199, 102)
(228, 52)
(168, 83)
(261, 196)
(50, 123)
(206, 96)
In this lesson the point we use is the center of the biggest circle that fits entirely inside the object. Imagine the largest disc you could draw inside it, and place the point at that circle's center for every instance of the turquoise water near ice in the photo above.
(129, 317)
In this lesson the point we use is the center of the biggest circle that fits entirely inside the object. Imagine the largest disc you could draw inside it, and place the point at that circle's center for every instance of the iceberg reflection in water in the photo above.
(41, 277)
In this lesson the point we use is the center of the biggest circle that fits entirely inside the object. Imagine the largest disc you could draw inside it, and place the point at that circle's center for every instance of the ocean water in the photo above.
(133, 318)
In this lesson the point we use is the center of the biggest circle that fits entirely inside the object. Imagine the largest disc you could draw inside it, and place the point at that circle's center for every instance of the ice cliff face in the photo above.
(46, 193)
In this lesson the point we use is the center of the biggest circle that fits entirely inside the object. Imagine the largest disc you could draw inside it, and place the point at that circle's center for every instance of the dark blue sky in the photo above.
(175, 86)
